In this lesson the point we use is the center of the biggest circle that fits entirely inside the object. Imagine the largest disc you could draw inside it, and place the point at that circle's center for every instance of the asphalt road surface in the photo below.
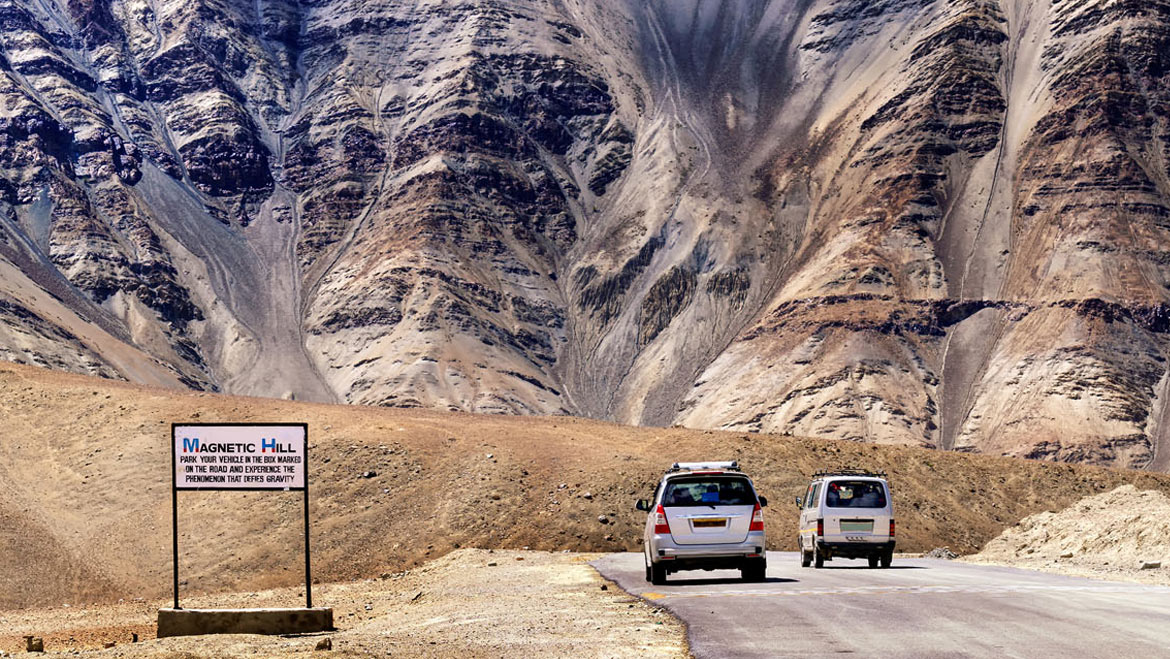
(916, 608)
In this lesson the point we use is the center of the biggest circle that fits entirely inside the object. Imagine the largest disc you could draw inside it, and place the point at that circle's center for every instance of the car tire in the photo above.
(873, 560)
(805, 558)
(649, 575)
(657, 574)
(887, 558)
(818, 557)
(754, 570)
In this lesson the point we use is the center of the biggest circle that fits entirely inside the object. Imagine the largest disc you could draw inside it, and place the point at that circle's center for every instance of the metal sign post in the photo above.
(239, 457)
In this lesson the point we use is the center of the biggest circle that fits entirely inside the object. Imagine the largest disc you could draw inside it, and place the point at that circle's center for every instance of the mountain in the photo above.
(937, 223)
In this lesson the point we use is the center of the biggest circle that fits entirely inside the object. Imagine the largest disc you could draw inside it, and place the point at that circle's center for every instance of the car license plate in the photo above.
(709, 523)
(857, 526)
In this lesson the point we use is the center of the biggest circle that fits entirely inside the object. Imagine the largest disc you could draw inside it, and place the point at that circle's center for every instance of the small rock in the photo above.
(519, 558)
(324, 644)
(1067, 554)
(603, 519)
(490, 456)
(1150, 565)
(369, 607)
(604, 587)
(34, 644)
(416, 597)
(110, 644)
(587, 495)
(493, 564)
(369, 474)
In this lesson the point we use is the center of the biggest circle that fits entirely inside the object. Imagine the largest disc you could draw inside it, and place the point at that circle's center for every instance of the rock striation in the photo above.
(929, 222)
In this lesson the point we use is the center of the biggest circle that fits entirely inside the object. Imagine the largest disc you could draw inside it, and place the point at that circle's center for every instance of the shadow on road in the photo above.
(728, 580)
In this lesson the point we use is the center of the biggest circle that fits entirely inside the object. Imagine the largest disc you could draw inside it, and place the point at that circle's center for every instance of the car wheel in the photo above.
(657, 574)
(649, 576)
(873, 560)
(887, 558)
(805, 558)
(755, 570)
(818, 557)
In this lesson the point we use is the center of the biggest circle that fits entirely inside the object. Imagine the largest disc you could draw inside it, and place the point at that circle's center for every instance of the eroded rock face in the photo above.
(908, 221)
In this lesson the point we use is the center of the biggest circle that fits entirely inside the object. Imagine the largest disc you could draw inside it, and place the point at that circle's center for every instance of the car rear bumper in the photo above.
(722, 556)
(854, 549)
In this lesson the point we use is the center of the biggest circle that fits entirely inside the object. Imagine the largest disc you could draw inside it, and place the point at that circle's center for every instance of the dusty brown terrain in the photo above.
(85, 463)
(1107, 536)
(470, 603)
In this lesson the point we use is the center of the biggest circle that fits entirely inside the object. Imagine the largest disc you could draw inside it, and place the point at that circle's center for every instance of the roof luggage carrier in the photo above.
(732, 465)
(850, 472)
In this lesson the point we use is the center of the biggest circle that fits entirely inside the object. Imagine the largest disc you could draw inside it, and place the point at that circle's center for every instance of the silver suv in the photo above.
(704, 516)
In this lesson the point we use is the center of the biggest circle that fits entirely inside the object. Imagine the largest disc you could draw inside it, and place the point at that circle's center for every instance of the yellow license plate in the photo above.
(709, 523)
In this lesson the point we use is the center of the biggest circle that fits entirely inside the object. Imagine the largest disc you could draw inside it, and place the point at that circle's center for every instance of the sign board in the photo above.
(239, 457)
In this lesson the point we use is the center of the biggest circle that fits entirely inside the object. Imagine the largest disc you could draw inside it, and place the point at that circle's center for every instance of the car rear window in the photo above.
(855, 494)
(708, 491)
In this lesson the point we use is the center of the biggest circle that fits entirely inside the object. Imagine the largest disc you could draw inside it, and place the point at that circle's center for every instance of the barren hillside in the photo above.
(85, 462)
(922, 222)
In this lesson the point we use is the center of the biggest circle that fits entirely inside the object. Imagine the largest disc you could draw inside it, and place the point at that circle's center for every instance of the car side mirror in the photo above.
(763, 501)
(643, 504)
(799, 502)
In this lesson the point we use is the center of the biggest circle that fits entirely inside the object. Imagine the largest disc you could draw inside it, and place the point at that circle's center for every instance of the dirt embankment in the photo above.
(470, 603)
(1121, 534)
(86, 511)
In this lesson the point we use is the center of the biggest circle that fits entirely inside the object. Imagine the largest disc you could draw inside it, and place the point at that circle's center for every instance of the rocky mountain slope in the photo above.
(929, 222)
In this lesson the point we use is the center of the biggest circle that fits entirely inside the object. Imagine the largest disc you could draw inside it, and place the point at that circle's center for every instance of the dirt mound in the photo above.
(1113, 534)
(86, 505)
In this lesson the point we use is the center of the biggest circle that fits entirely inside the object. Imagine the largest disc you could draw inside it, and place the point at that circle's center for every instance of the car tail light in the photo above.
(891, 528)
(820, 528)
(660, 524)
(757, 519)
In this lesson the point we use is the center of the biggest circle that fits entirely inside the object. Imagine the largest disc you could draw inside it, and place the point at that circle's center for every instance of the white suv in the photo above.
(846, 513)
(704, 516)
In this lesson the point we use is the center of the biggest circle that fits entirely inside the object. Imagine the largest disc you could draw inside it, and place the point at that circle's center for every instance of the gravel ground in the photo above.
(470, 603)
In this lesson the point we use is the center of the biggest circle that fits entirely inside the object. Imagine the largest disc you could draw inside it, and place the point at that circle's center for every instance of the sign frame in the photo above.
(175, 489)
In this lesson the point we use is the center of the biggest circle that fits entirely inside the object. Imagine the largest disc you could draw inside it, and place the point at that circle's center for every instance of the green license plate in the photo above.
(857, 526)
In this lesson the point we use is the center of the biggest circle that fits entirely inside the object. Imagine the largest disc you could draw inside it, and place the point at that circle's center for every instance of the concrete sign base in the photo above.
(194, 622)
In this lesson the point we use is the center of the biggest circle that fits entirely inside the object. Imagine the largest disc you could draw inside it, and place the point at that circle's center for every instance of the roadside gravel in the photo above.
(470, 603)
(1120, 535)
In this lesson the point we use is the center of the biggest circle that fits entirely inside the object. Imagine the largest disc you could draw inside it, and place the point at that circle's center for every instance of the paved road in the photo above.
(917, 608)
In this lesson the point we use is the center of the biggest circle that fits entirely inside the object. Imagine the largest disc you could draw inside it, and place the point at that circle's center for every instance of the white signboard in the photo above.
(239, 456)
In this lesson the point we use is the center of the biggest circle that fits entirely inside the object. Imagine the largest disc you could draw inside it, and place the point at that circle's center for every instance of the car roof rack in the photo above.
(732, 465)
(849, 472)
